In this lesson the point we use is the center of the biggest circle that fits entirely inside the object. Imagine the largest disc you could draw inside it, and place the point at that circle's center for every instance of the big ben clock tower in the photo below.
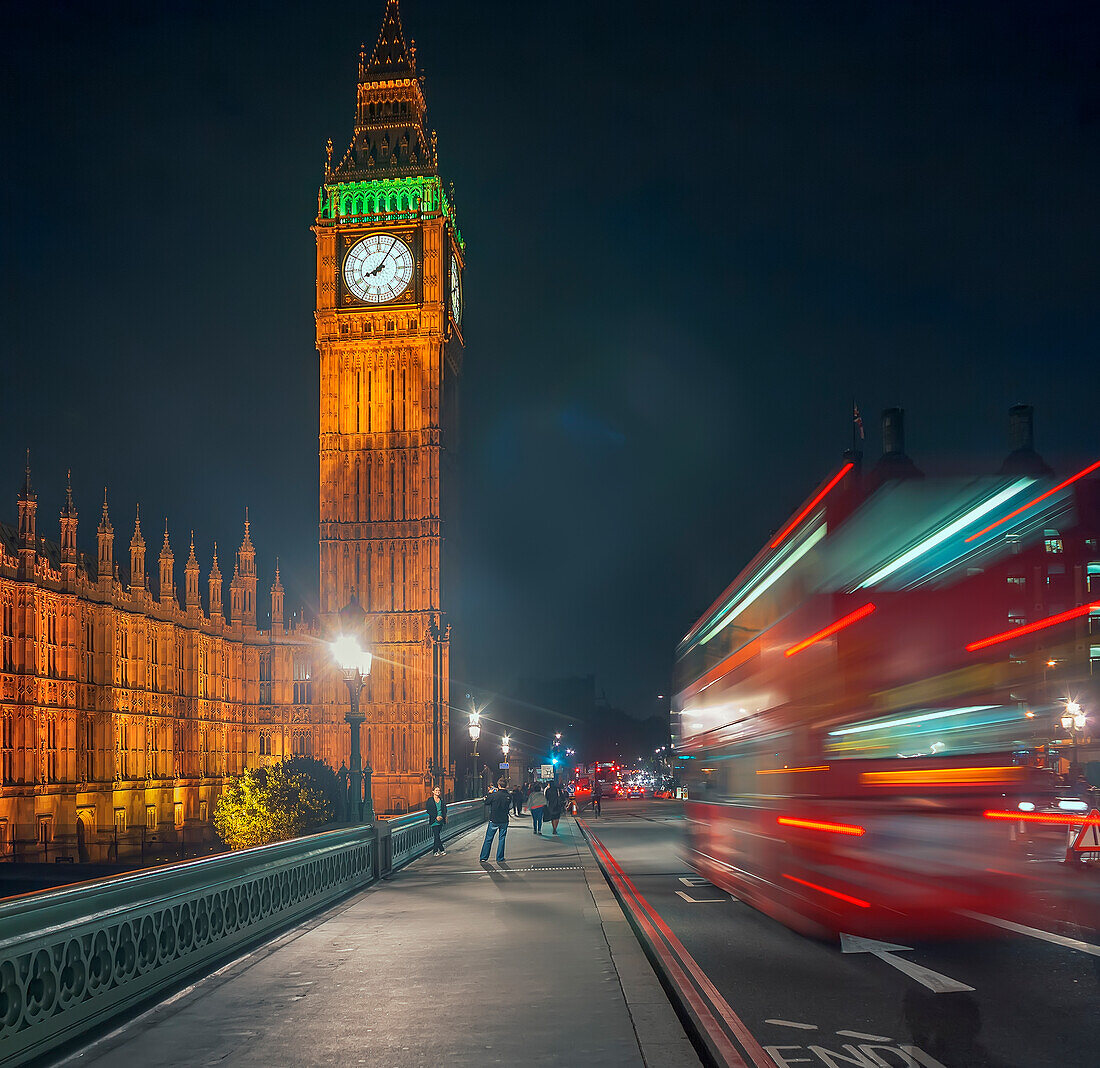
(389, 335)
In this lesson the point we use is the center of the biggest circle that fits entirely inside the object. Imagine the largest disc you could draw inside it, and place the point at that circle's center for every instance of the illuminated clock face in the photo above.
(456, 290)
(379, 268)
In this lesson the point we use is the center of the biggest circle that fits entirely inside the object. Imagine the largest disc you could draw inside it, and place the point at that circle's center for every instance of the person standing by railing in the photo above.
(436, 808)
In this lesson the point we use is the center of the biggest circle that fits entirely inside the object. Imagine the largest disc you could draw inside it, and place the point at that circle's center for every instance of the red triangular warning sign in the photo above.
(1088, 837)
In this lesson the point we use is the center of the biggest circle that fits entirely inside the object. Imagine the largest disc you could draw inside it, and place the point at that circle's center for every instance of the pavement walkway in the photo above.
(530, 962)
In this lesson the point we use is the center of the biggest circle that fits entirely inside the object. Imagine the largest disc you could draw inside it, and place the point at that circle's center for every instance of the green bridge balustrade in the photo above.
(72, 958)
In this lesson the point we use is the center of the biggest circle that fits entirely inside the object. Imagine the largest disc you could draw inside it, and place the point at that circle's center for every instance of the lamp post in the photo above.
(505, 745)
(354, 663)
(1074, 722)
(475, 733)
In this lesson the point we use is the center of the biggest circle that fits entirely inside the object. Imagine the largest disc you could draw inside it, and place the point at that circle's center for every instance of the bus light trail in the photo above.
(817, 825)
(818, 498)
(1031, 628)
(832, 893)
(832, 628)
(1049, 818)
(1042, 497)
(791, 771)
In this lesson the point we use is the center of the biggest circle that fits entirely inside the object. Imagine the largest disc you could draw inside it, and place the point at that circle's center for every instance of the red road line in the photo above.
(692, 996)
(731, 1019)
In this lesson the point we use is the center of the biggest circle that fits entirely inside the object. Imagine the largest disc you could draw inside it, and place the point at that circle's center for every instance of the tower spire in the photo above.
(391, 57)
(391, 138)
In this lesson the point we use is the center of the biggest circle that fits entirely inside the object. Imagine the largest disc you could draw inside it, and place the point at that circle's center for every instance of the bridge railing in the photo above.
(411, 836)
(72, 958)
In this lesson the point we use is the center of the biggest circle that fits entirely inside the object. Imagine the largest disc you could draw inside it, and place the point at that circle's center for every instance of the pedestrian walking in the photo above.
(499, 802)
(597, 797)
(536, 802)
(555, 802)
(517, 800)
(436, 809)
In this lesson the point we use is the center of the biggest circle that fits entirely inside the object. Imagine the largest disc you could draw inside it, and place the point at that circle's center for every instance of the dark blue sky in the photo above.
(695, 232)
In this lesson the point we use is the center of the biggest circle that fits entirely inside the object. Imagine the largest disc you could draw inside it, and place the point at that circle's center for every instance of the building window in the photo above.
(1094, 659)
(89, 651)
(265, 677)
(150, 817)
(49, 632)
(120, 821)
(9, 636)
(303, 687)
(7, 737)
(5, 838)
(203, 811)
(1017, 580)
(51, 750)
(45, 830)
(1052, 541)
(123, 658)
(87, 753)
(179, 664)
(265, 745)
(1015, 619)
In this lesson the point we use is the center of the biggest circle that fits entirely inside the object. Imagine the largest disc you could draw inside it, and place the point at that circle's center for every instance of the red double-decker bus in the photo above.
(864, 717)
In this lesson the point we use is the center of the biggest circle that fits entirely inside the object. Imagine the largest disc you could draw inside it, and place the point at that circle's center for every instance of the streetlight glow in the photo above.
(349, 656)
(355, 663)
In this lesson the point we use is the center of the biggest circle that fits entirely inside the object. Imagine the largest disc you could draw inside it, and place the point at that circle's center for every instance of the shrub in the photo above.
(272, 804)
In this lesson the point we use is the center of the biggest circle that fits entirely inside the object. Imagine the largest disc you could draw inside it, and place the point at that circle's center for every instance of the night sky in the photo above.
(695, 232)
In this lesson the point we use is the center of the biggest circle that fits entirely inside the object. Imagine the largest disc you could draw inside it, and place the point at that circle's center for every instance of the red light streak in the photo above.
(817, 825)
(1049, 818)
(1030, 628)
(832, 893)
(1042, 497)
(832, 628)
(811, 506)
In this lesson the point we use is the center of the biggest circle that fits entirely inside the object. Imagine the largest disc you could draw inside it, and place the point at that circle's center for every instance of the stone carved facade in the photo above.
(123, 712)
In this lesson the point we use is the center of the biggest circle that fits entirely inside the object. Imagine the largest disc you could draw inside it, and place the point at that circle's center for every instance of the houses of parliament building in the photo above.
(126, 703)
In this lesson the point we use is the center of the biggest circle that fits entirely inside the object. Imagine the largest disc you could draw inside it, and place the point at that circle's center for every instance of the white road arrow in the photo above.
(937, 983)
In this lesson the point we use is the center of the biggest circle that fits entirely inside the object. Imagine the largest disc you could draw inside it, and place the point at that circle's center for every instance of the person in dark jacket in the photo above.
(500, 804)
(517, 800)
(436, 808)
(555, 802)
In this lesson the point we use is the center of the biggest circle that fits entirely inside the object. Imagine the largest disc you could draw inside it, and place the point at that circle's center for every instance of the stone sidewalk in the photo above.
(530, 962)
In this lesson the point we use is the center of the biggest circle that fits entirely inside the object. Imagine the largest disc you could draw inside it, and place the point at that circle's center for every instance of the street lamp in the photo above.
(1074, 722)
(505, 745)
(475, 733)
(354, 662)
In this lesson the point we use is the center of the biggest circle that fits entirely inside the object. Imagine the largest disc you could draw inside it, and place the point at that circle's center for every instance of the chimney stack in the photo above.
(893, 432)
(1021, 432)
(1022, 458)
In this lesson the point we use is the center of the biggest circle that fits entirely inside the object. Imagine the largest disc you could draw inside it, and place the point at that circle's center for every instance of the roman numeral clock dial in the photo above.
(379, 268)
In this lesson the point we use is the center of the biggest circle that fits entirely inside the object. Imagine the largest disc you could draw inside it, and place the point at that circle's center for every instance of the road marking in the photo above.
(482, 871)
(1034, 932)
(700, 900)
(695, 880)
(866, 1038)
(791, 1023)
(935, 981)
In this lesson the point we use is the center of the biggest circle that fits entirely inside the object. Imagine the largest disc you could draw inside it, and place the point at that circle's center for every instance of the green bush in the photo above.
(272, 804)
